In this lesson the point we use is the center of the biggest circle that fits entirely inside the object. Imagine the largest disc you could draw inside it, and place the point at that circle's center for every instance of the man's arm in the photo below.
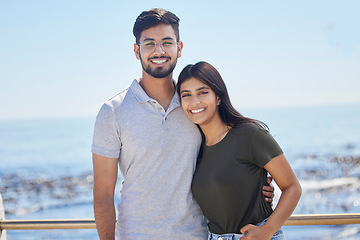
(105, 176)
(268, 191)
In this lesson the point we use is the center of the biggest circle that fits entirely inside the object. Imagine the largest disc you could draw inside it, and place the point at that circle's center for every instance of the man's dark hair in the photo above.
(153, 17)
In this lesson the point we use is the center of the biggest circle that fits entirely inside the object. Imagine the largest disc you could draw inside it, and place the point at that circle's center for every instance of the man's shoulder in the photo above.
(123, 96)
(112, 106)
(118, 99)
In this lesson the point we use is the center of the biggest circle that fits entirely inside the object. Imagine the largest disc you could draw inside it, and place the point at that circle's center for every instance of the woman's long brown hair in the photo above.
(208, 74)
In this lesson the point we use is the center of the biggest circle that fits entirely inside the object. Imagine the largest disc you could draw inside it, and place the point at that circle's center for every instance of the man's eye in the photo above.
(166, 43)
(185, 95)
(203, 92)
(149, 44)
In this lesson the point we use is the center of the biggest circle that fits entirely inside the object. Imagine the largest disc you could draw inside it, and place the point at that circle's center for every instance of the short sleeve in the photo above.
(106, 138)
(264, 147)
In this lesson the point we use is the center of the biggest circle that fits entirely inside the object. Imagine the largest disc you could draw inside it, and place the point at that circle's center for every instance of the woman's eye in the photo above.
(203, 93)
(185, 95)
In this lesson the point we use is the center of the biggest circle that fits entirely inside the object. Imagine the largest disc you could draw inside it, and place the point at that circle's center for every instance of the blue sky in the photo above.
(64, 58)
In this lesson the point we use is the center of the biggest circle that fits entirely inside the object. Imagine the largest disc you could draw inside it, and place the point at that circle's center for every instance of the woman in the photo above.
(235, 157)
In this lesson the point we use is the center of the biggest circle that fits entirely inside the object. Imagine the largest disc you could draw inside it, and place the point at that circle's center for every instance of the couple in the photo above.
(157, 147)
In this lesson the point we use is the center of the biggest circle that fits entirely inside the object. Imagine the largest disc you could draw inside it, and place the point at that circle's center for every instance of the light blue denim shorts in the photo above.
(279, 235)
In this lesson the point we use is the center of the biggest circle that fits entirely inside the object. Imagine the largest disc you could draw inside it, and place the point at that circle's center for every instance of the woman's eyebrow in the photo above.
(198, 89)
(203, 87)
(184, 91)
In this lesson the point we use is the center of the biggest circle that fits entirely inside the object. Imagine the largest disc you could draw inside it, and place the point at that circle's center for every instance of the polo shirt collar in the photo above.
(175, 102)
(139, 92)
(142, 97)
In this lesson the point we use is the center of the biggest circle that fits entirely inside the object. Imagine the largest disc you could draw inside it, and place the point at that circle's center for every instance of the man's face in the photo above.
(158, 50)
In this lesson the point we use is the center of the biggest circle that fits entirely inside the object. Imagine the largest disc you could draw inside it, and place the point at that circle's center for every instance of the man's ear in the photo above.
(180, 47)
(137, 51)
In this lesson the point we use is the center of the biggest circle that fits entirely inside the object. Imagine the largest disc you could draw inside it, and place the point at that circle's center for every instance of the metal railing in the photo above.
(42, 224)
(294, 220)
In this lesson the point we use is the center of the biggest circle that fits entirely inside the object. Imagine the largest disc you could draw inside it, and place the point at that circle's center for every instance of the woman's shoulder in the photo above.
(248, 127)
(249, 130)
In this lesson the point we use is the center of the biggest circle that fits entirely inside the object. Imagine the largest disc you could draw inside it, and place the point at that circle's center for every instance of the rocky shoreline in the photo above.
(22, 195)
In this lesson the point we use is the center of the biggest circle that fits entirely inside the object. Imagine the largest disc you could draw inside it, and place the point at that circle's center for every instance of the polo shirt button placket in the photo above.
(164, 119)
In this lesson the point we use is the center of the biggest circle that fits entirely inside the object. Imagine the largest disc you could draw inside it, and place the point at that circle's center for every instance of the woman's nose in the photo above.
(195, 100)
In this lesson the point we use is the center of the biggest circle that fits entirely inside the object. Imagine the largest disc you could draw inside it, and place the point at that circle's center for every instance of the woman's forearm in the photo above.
(285, 207)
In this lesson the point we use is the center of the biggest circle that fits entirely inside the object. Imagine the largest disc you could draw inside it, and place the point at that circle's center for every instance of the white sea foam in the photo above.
(327, 185)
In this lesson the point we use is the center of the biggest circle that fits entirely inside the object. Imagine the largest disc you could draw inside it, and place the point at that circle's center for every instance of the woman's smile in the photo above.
(198, 101)
(197, 110)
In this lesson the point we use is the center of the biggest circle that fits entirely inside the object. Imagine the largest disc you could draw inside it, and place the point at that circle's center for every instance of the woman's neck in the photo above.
(214, 132)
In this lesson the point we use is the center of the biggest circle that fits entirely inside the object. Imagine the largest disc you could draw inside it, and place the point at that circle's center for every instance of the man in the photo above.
(144, 130)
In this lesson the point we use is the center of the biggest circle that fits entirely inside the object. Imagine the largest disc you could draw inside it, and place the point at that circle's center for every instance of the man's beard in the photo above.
(158, 72)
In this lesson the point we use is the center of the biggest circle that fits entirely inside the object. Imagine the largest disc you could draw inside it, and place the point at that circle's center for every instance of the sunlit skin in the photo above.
(159, 63)
(157, 66)
(199, 104)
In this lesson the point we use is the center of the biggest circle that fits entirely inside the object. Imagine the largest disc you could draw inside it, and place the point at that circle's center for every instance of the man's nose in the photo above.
(158, 48)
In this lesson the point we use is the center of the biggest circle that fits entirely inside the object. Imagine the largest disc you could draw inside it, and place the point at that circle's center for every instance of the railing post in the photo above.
(2, 216)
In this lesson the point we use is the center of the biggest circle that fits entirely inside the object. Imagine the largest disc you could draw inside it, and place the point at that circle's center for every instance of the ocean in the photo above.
(46, 168)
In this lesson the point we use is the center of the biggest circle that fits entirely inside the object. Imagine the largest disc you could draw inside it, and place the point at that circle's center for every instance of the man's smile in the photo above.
(159, 60)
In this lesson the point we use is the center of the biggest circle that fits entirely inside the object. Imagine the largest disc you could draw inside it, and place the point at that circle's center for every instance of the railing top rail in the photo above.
(301, 219)
(324, 219)
(47, 224)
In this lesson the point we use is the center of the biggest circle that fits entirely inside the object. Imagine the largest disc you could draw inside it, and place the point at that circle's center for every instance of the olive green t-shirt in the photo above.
(230, 176)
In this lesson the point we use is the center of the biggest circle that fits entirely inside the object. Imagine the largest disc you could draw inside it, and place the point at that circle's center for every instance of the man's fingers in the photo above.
(268, 191)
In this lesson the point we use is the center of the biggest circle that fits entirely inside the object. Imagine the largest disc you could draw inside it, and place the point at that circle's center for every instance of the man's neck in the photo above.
(160, 89)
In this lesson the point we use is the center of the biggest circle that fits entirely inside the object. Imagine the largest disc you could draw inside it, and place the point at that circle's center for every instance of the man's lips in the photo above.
(159, 60)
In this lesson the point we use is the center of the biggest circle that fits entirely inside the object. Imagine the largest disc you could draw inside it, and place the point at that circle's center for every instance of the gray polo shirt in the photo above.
(157, 153)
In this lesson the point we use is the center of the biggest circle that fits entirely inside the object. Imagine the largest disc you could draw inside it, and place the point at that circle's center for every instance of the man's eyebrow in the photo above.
(149, 39)
(168, 38)
(152, 39)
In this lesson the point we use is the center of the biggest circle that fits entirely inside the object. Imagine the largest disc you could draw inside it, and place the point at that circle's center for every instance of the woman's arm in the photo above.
(281, 171)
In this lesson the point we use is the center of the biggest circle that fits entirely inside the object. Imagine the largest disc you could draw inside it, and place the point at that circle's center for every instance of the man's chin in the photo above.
(159, 73)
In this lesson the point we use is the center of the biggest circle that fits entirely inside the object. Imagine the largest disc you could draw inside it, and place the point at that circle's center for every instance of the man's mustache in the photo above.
(155, 57)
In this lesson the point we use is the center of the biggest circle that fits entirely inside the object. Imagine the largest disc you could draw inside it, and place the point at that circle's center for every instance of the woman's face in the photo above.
(198, 101)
